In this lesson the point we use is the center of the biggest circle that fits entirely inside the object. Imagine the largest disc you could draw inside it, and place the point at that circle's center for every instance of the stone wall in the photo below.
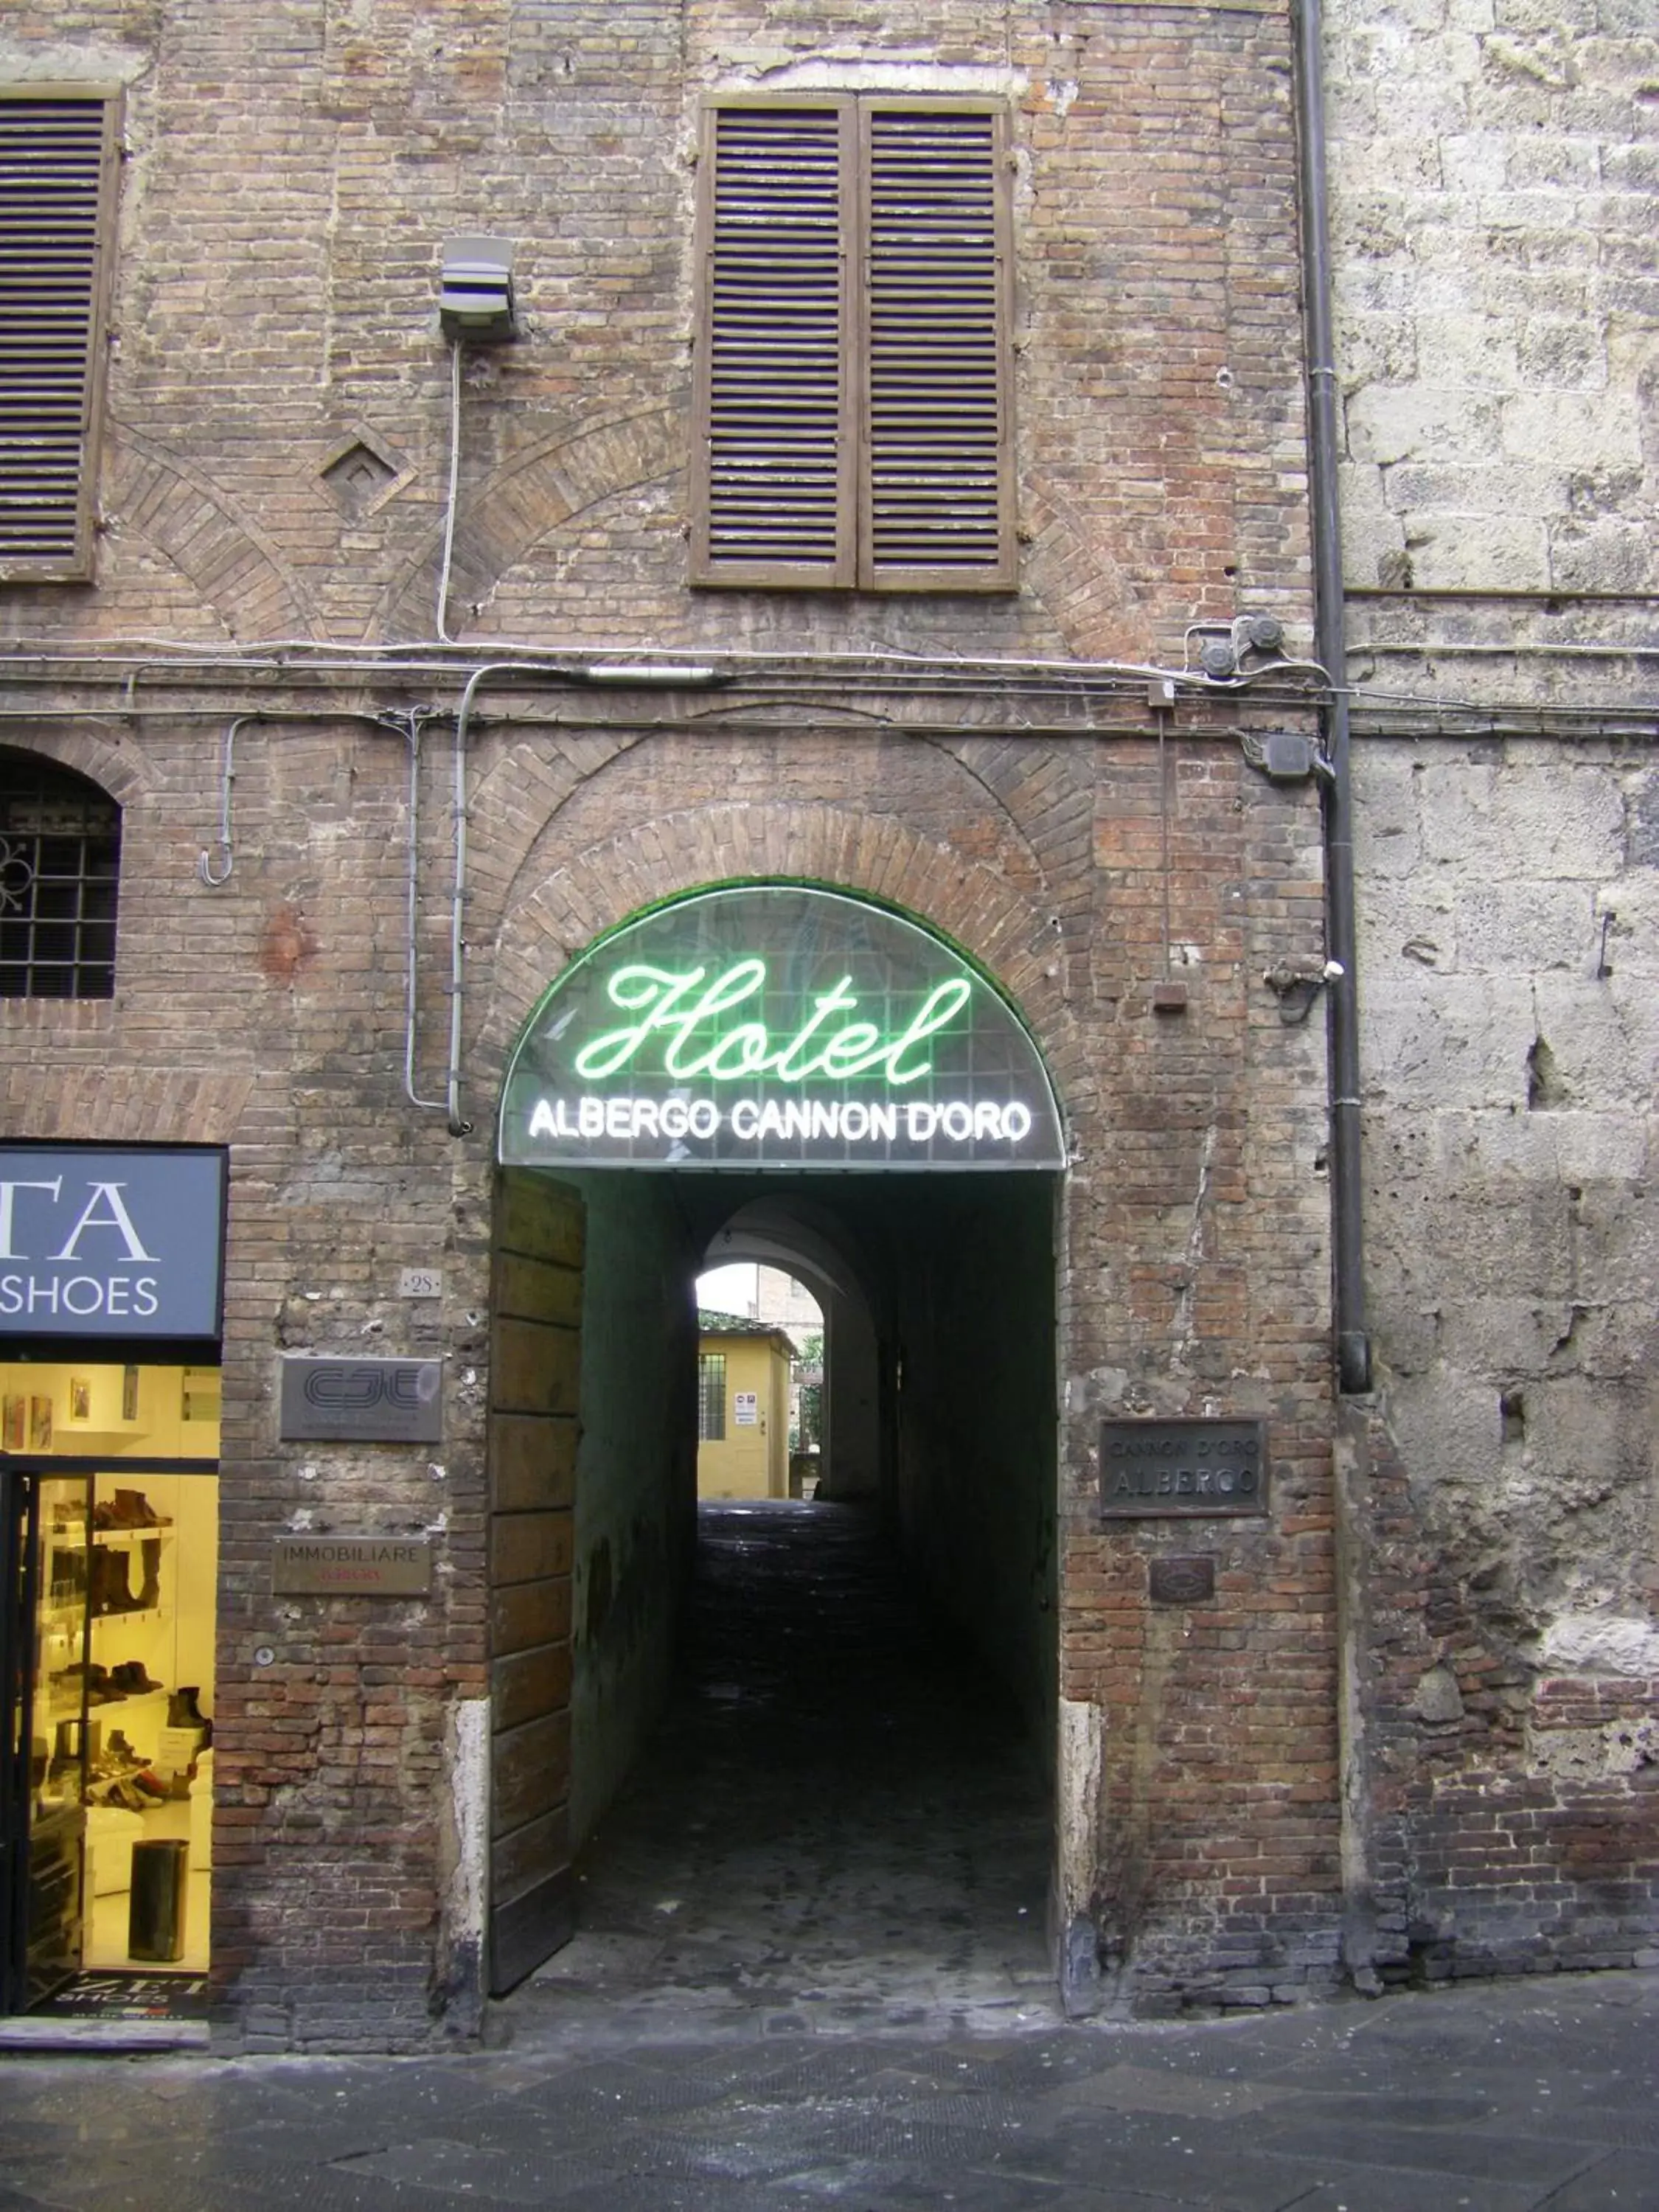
(1493, 174)
(1497, 294)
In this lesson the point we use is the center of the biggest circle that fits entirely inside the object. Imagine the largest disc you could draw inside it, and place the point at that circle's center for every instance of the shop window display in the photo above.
(121, 1698)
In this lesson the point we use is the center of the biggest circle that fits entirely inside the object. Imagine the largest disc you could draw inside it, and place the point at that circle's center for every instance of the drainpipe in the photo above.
(1351, 1530)
(1353, 1350)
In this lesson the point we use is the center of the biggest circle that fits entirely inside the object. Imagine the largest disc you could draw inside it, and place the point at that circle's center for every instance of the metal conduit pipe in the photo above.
(457, 1126)
(417, 722)
(446, 563)
(1353, 1349)
(292, 656)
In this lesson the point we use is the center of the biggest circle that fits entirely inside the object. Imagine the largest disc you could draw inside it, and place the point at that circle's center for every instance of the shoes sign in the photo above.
(361, 1400)
(119, 1243)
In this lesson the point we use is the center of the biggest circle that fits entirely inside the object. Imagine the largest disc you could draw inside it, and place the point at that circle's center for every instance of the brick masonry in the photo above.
(1278, 1798)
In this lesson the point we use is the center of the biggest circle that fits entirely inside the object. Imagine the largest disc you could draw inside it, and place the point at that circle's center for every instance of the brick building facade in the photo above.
(411, 666)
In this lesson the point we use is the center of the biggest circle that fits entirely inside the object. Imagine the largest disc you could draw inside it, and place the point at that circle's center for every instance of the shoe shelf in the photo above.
(76, 1539)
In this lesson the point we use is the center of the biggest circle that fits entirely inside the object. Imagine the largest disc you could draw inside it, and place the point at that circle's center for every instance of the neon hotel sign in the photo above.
(854, 1039)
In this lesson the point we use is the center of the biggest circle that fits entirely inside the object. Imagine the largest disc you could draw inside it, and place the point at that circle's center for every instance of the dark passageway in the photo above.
(838, 1823)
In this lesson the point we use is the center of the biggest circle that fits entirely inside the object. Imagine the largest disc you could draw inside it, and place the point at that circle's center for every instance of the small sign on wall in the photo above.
(361, 1400)
(746, 1409)
(1202, 1468)
(351, 1566)
(1181, 1578)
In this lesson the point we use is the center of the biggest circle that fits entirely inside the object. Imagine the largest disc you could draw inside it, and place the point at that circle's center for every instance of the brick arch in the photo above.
(111, 765)
(1071, 574)
(236, 571)
(1073, 589)
(151, 1105)
(537, 801)
(523, 500)
(1001, 925)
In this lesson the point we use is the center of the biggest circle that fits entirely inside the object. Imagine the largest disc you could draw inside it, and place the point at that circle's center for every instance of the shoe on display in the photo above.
(150, 1548)
(132, 1509)
(69, 1574)
(111, 1590)
(100, 1689)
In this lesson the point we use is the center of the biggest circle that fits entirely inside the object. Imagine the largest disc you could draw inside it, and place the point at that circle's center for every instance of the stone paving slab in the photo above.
(1350, 2107)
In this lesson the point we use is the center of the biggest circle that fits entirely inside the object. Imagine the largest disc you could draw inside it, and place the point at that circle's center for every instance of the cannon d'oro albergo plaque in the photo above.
(1199, 1470)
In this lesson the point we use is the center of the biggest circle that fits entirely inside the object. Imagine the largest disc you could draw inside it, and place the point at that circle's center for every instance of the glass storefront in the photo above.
(112, 1577)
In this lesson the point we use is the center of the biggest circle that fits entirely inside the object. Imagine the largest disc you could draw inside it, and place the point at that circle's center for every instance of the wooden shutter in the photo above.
(57, 186)
(773, 502)
(937, 468)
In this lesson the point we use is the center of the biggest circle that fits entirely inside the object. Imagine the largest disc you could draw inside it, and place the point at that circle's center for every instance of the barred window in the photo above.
(60, 860)
(57, 181)
(711, 1397)
(853, 372)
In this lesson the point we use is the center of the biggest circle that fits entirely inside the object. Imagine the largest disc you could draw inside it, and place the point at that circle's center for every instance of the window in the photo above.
(853, 348)
(60, 860)
(711, 1397)
(57, 166)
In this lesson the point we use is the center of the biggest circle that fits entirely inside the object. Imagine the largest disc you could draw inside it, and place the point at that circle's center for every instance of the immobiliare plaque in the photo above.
(1199, 1469)
(351, 1566)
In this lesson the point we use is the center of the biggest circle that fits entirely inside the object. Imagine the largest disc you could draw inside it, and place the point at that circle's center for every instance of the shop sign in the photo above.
(361, 1400)
(118, 1243)
(1199, 1468)
(351, 1566)
(777, 1025)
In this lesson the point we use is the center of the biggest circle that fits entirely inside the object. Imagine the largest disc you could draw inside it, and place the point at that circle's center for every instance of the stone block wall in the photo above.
(1498, 312)
(1493, 173)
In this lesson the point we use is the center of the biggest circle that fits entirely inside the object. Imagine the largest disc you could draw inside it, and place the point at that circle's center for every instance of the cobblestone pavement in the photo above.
(811, 1971)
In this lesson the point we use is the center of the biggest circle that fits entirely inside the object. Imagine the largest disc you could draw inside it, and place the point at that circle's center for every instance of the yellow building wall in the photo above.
(751, 1461)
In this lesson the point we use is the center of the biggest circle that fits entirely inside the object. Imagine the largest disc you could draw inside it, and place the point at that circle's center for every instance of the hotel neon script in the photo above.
(856, 1049)
(776, 1026)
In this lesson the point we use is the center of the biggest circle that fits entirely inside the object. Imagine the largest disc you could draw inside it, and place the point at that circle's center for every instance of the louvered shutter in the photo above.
(775, 499)
(937, 506)
(56, 171)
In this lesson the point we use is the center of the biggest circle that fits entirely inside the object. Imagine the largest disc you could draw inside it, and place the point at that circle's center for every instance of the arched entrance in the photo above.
(784, 1231)
(813, 1073)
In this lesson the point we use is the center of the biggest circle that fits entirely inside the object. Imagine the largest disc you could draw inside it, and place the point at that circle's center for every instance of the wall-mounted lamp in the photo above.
(1298, 982)
(476, 302)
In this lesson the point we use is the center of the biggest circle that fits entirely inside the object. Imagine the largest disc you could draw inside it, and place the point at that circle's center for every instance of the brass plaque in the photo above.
(1198, 1468)
(1180, 1578)
(351, 1566)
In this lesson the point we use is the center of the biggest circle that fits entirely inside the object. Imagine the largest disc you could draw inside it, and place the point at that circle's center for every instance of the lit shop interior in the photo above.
(115, 1579)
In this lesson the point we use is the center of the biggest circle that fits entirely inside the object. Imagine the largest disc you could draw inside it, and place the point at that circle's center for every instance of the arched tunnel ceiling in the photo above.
(785, 1234)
